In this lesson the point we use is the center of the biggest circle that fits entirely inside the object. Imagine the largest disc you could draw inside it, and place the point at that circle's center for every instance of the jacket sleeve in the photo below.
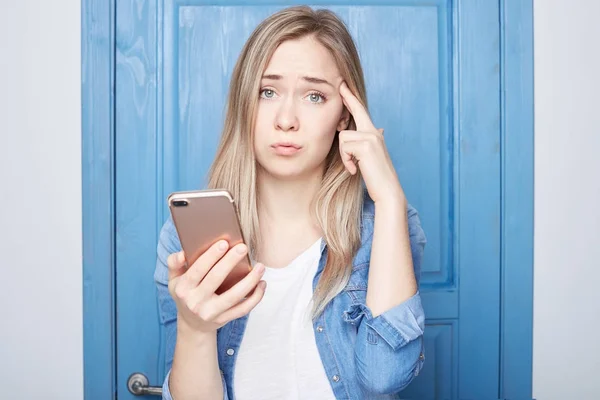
(169, 243)
(394, 339)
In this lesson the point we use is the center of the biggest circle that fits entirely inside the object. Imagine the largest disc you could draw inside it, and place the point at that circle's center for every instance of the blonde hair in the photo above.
(338, 203)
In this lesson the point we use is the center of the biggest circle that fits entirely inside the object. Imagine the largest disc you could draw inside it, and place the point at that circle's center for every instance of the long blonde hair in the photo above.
(338, 204)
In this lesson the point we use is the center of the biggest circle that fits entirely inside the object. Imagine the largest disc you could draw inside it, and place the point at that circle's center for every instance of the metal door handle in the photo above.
(138, 385)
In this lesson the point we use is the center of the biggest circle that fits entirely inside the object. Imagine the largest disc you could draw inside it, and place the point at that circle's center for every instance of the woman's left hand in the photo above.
(365, 148)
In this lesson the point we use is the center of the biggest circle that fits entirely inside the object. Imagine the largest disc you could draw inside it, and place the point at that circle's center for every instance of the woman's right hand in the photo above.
(199, 308)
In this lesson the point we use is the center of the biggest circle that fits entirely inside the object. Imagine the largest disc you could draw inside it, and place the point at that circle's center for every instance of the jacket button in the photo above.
(319, 329)
(335, 378)
(230, 352)
(422, 356)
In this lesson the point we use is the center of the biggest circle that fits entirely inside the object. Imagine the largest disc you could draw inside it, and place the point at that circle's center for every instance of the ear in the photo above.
(344, 121)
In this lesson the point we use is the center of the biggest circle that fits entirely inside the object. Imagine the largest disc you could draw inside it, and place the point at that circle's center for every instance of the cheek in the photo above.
(260, 119)
(261, 126)
(331, 113)
(323, 123)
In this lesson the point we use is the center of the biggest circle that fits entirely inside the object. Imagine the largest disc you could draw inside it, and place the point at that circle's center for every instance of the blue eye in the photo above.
(316, 97)
(267, 93)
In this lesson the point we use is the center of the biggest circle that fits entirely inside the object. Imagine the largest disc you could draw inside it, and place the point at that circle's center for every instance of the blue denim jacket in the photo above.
(364, 357)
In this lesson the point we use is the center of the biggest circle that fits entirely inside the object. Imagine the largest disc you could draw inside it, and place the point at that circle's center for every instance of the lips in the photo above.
(286, 148)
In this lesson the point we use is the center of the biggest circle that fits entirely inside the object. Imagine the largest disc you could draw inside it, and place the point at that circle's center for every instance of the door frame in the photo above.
(98, 197)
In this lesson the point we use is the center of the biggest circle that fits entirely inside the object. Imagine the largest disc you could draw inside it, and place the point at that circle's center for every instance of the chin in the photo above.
(286, 173)
(288, 170)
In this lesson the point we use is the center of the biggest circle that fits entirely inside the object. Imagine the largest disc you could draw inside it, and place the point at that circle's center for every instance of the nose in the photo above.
(286, 118)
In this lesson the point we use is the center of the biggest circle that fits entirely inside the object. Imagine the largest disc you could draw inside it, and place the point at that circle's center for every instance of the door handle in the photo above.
(138, 385)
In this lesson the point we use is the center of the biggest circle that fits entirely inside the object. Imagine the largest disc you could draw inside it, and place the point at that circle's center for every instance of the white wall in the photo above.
(567, 206)
(40, 201)
(40, 205)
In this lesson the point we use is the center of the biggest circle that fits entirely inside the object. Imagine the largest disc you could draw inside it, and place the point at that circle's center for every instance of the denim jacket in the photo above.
(365, 357)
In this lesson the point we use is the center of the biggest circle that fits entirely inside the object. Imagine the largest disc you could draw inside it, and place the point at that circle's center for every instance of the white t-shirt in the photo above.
(278, 357)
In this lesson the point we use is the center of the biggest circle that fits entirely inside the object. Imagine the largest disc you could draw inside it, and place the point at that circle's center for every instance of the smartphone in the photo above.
(203, 217)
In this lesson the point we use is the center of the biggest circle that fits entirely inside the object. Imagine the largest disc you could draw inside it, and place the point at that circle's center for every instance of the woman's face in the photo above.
(299, 109)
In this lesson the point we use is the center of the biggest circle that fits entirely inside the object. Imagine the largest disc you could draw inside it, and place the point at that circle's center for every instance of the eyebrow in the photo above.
(310, 79)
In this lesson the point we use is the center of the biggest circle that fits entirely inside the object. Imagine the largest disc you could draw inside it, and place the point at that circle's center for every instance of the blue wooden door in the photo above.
(432, 73)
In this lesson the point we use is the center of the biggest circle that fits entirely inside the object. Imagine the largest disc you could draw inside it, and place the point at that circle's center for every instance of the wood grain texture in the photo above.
(478, 201)
(138, 209)
(97, 48)
(438, 381)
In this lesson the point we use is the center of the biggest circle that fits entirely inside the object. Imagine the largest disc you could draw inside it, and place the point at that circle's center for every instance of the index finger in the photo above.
(358, 111)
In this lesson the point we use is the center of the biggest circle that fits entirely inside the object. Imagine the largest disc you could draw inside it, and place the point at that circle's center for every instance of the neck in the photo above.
(286, 203)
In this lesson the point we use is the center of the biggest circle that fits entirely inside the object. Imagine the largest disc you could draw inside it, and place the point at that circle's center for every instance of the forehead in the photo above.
(303, 56)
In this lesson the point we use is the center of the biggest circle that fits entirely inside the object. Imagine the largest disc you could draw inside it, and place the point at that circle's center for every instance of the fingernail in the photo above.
(222, 245)
(262, 285)
(241, 249)
(180, 257)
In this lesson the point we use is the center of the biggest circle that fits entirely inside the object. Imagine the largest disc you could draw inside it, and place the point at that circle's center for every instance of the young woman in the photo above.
(328, 228)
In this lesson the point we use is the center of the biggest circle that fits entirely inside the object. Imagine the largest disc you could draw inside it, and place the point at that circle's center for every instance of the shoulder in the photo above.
(168, 237)
(168, 243)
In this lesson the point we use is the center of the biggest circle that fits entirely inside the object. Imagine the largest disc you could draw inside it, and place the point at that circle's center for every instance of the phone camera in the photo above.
(180, 203)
